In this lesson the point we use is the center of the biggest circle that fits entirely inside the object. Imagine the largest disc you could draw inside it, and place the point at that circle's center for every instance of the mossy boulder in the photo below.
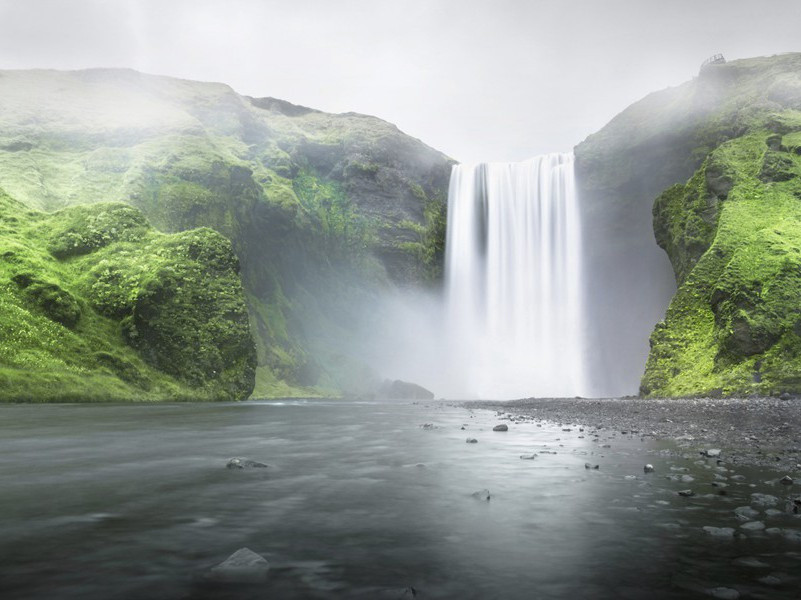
(125, 314)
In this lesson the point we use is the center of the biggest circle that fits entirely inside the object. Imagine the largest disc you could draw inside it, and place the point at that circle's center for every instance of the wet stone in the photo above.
(501, 427)
(745, 513)
(471, 441)
(722, 532)
(244, 463)
(481, 495)
(724, 593)
(244, 566)
(764, 500)
(753, 526)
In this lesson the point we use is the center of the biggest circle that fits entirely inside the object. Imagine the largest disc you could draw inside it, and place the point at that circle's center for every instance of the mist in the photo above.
(479, 80)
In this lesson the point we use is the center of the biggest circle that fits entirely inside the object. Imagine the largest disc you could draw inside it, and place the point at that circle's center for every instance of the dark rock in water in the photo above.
(724, 593)
(472, 441)
(764, 500)
(786, 480)
(427, 426)
(403, 390)
(746, 513)
(648, 468)
(243, 566)
(686, 493)
(481, 495)
(528, 456)
(244, 463)
(589, 466)
(501, 427)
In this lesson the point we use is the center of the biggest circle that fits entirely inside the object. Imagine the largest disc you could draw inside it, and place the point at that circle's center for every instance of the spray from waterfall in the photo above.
(514, 305)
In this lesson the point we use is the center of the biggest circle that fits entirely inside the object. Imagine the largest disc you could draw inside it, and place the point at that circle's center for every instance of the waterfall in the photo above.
(513, 276)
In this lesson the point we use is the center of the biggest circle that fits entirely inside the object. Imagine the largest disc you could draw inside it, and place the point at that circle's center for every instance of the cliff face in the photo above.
(98, 306)
(322, 210)
(729, 232)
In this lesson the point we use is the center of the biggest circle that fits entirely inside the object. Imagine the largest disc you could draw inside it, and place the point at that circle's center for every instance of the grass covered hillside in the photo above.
(95, 305)
(322, 210)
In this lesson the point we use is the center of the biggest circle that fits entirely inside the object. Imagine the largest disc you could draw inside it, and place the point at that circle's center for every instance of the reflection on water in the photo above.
(360, 501)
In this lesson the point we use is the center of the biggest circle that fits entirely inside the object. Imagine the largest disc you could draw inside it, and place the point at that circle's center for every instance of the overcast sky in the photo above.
(477, 79)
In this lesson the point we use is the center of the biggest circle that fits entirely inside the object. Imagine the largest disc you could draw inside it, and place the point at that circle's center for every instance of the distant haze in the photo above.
(477, 79)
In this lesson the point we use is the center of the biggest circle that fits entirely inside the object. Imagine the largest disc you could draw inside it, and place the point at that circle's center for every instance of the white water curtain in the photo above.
(513, 279)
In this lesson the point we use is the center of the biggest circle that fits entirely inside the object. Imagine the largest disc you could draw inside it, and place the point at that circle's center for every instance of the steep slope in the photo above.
(98, 306)
(655, 143)
(322, 210)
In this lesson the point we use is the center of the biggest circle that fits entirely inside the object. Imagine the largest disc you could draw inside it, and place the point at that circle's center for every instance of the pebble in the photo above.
(719, 531)
(724, 593)
(764, 500)
(745, 513)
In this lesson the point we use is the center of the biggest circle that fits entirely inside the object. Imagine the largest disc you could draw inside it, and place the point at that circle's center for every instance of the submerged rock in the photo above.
(686, 493)
(528, 456)
(764, 500)
(501, 427)
(481, 495)
(471, 441)
(724, 593)
(753, 526)
(243, 566)
(244, 463)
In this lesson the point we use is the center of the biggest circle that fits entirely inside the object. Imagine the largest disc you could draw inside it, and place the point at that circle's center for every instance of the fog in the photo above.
(480, 80)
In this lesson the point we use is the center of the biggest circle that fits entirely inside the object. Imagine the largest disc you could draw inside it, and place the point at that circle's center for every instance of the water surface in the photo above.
(361, 501)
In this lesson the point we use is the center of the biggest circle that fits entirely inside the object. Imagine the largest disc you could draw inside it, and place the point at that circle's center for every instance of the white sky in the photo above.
(477, 79)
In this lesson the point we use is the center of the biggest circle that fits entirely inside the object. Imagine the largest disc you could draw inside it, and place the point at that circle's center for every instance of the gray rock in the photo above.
(501, 427)
(528, 456)
(471, 441)
(724, 532)
(786, 480)
(427, 426)
(771, 580)
(481, 495)
(244, 463)
(724, 593)
(711, 453)
(243, 566)
(746, 513)
(649, 468)
(753, 526)
(686, 493)
(764, 500)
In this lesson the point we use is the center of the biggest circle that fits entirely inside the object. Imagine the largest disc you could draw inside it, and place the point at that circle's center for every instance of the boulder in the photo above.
(501, 427)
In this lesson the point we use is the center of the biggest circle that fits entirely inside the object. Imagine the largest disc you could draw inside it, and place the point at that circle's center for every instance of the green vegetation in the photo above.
(98, 306)
(311, 202)
(733, 234)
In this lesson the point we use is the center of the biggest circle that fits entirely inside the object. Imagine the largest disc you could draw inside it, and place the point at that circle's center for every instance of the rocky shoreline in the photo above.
(764, 432)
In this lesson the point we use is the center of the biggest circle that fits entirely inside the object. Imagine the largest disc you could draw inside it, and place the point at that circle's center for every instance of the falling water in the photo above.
(513, 276)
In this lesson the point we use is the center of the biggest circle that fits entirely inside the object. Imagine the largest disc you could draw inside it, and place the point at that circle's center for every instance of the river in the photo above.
(363, 500)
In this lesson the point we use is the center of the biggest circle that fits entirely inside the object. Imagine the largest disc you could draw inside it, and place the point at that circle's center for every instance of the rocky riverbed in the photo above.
(763, 432)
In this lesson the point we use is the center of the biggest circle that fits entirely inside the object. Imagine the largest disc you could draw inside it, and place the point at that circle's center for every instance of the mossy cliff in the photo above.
(728, 231)
(96, 305)
(323, 211)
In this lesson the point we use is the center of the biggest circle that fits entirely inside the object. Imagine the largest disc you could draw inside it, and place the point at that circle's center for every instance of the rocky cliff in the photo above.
(724, 146)
(322, 210)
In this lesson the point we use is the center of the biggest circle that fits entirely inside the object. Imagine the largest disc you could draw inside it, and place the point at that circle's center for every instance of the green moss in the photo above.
(733, 326)
(118, 311)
